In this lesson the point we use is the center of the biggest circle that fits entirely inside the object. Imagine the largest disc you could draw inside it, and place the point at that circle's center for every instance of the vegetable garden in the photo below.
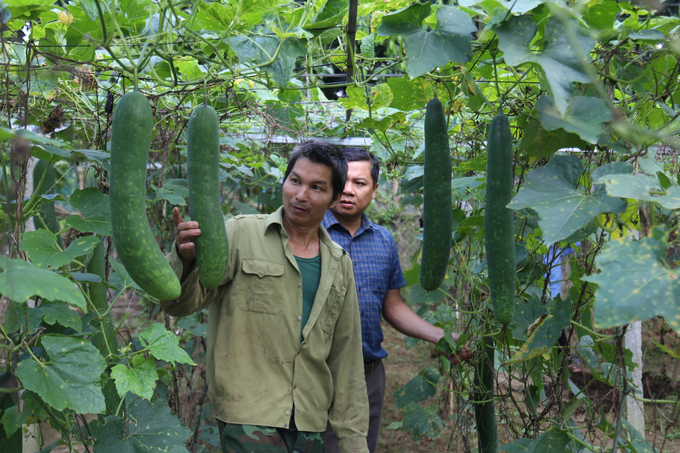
(590, 90)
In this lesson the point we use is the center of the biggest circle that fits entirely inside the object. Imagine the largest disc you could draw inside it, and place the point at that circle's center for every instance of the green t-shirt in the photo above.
(310, 269)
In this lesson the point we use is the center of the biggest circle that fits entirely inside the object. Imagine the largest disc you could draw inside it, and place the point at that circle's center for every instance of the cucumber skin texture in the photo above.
(203, 169)
(136, 247)
(498, 222)
(437, 204)
(47, 207)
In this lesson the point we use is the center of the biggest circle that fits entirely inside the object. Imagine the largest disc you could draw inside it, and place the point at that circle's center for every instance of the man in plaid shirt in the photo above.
(379, 279)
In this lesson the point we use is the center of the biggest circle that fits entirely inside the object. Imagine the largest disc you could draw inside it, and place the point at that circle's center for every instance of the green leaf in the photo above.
(408, 94)
(70, 378)
(260, 50)
(139, 379)
(381, 96)
(193, 324)
(634, 285)
(552, 192)
(151, 427)
(637, 439)
(422, 421)
(330, 15)
(540, 143)
(20, 281)
(164, 345)
(56, 312)
(419, 389)
(41, 246)
(526, 313)
(545, 335)
(558, 61)
(553, 440)
(425, 50)
(173, 190)
(189, 69)
(95, 210)
(584, 116)
(639, 187)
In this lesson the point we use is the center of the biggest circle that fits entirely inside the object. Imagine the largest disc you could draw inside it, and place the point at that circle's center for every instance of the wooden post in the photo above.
(634, 410)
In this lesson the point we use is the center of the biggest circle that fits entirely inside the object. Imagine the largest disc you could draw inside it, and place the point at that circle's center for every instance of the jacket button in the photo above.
(299, 318)
(287, 412)
(299, 284)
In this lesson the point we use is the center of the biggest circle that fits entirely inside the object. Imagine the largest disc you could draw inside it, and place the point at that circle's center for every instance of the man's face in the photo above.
(359, 190)
(307, 193)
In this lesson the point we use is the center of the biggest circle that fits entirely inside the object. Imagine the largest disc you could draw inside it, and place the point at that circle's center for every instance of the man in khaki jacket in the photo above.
(284, 353)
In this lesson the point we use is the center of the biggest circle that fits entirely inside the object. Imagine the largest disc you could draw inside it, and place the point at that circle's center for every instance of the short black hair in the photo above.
(324, 153)
(358, 154)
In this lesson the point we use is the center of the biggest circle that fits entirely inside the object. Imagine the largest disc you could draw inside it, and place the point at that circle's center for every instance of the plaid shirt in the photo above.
(376, 270)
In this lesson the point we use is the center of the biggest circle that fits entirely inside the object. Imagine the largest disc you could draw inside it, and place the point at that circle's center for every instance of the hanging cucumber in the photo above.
(437, 213)
(100, 301)
(46, 212)
(498, 224)
(203, 168)
(485, 415)
(136, 247)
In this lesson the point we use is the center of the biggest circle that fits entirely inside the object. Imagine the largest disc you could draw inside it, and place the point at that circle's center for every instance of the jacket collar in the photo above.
(276, 218)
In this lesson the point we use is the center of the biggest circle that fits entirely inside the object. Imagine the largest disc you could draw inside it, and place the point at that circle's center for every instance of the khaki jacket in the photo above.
(258, 371)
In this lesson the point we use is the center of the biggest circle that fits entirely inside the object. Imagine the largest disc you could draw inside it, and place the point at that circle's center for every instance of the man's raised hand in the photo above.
(184, 234)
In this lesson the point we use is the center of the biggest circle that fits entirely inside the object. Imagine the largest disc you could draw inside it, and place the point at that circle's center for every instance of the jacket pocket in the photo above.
(260, 286)
(332, 308)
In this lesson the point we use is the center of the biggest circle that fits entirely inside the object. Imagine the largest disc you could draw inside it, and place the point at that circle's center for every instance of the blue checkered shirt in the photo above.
(376, 270)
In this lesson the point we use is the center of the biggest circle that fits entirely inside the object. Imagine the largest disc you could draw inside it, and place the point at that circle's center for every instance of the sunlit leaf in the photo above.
(635, 289)
(425, 50)
(558, 60)
(552, 192)
(20, 281)
(639, 187)
(140, 378)
(42, 249)
(164, 345)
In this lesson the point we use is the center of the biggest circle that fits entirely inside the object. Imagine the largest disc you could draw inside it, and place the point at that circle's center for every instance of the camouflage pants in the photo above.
(261, 439)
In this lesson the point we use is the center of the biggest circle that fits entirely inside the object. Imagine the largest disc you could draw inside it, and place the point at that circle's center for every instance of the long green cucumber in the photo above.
(203, 169)
(46, 213)
(498, 224)
(100, 301)
(437, 213)
(135, 244)
(485, 415)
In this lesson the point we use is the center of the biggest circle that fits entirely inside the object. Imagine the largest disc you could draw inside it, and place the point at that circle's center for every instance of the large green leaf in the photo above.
(584, 116)
(41, 246)
(552, 192)
(331, 14)
(150, 427)
(553, 440)
(258, 50)
(408, 94)
(164, 345)
(20, 281)
(422, 421)
(381, 96)
(70, 378)
(540, 143)
(545, 334)
(634, 284)
(95, 210)
(140, 378)
(425, 50)
(558, 60)
(639, 187)
(20, 315)
(419, 389)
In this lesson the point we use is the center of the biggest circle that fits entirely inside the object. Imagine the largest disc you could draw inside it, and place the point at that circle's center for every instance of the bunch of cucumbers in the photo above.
(135, 244)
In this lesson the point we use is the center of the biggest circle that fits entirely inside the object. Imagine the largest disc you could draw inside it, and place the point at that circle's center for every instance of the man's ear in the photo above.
(335, 202)
(375, 190)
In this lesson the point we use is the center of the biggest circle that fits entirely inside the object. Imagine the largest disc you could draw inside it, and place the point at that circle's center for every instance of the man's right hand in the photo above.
(184, 234)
